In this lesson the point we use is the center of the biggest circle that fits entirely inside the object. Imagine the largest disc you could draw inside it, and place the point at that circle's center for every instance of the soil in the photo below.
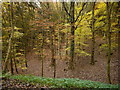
(83, 69)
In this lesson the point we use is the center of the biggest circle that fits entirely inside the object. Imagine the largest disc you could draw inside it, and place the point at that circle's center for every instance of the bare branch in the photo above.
(78, 22)
(80, 12)
(63, 3)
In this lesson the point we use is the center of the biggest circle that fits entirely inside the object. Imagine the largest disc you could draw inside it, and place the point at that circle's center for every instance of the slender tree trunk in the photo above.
(53, 61)
(11, 64)
(14, 52)
(109, 41)
(42, 53)
(10, 40)
(11, 58)
(26, 58)
(55, 66)
(55, 69)
(71, 64)
(42, 66)
(25, 54)
(118, 38)
(52, 47)
(93, 37)
(15, 65)
(59, 43)
(67, 42)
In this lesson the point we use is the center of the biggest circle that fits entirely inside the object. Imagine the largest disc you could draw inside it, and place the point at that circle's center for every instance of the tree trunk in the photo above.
(42, 53)
(67, 45)
(15, 66)
(59, 44)
(42, 65)
(14, 60)
(11, 64)
(93, 37)
(118, 38)
(109, 40)
(10, 40)
(73, 28)
(26, 59)
(25, 53)
(71, 64)
(53, 61)
(55, 65)
(54, 68)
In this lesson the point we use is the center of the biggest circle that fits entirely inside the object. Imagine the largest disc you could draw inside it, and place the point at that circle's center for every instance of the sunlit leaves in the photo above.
(82, 53)
(17, 34)
(100, 9)
(99, 24)
(24, 68)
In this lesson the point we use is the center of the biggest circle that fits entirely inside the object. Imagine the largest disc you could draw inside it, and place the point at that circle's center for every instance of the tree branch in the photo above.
(78, 23)
(63, 3)
(111, 7)
(80, 12)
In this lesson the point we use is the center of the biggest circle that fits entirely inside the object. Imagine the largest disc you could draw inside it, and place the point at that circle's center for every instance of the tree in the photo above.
(118, 32)
(108, 10)
(10, 42)
(16, 24)
(93, 36)
(46, 21)
(72, 22)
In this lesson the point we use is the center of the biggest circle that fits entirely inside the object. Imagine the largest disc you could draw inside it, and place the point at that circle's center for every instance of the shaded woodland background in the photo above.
(61, 40)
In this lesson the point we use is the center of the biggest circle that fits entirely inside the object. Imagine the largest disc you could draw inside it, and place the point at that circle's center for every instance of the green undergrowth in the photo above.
(60, 82)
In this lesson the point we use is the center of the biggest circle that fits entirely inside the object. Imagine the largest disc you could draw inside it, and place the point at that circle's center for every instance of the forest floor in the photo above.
(13, 83)
(83, 69)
